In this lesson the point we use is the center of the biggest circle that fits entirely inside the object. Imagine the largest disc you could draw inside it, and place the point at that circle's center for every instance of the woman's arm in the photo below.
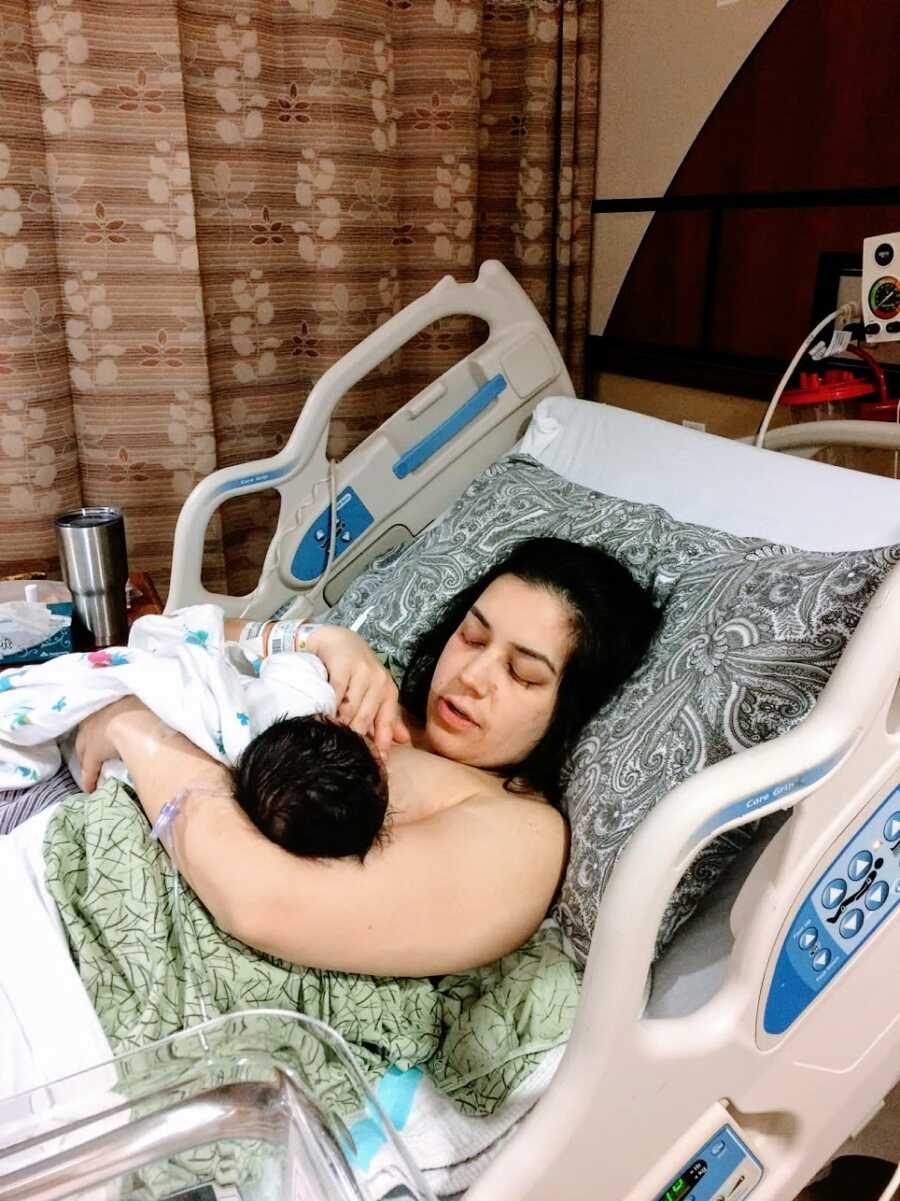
(162, 763)
(445, 894)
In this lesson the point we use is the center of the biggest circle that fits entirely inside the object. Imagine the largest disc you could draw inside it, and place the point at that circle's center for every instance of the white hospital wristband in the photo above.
(264, 638)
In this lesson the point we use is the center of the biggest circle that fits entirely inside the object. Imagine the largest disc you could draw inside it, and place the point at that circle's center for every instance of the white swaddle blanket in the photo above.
(213, 692)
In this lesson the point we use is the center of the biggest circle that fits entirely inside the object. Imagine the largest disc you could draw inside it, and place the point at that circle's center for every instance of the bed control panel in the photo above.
(850, 900)
(724, 1169)
(311, 556)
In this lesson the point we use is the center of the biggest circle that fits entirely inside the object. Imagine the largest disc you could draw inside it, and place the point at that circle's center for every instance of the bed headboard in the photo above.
(404, 474)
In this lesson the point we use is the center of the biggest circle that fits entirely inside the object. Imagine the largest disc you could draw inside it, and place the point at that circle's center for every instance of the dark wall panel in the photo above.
(813, 110)
(766, 271)
(663, 294)
(814, 106)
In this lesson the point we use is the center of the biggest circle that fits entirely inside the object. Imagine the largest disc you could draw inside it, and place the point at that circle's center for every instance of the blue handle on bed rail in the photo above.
(247, 481)
(466, 413)
(760, 800)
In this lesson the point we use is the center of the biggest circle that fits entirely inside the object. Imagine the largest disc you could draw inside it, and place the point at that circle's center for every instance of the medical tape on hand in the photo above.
(264, 638)
(166, 816)
(168, 813)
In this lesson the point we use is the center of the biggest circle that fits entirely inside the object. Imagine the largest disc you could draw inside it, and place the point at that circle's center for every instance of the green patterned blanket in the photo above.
(478, 1034)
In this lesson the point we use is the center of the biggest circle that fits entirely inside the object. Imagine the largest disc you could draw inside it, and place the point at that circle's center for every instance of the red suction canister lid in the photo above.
(832, 385)
(880, 410)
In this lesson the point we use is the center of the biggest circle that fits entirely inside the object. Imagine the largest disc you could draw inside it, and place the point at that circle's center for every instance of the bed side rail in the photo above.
(774, 776)
(403, 474)
(808, 437)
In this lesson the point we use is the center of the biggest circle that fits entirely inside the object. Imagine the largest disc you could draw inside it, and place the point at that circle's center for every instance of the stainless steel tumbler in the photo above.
(94, 563)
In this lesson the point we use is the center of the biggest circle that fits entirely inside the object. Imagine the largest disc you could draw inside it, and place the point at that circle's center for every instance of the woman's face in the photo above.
(494, 687)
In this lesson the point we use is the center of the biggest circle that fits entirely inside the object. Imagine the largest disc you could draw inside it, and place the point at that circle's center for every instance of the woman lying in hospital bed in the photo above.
(496, 693)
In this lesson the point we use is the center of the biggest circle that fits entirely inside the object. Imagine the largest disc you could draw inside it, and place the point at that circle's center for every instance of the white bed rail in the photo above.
(812, 436)
(617, 1059)
(398, 480)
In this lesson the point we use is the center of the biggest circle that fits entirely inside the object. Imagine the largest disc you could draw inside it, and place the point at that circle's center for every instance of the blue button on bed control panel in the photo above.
(311, 555)
(724, 1169)
(851, 899)
(859, 865)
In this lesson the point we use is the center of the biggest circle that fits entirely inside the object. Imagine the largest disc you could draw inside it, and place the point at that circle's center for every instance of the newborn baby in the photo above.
(313, 787)
(310, 785)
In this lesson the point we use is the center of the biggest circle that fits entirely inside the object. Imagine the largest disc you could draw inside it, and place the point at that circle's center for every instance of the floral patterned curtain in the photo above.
(203, 205)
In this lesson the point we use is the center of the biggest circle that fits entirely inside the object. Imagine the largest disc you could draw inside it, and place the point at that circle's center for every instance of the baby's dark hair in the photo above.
(313, 787)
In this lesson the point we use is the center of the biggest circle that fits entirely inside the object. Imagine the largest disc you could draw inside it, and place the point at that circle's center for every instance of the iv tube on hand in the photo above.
(160, 831)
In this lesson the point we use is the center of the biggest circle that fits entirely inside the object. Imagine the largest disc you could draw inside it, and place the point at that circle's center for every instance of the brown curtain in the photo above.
(203, 205)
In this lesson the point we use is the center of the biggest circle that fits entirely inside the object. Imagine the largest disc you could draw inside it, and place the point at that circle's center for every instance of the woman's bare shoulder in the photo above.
(525, 816)
(422, 784)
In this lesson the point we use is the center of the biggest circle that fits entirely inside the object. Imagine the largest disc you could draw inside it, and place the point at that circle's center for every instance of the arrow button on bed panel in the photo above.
(859, 865)
(851, 923)
(878, 894)
(821, 961)
(892, 828)
(834, 893)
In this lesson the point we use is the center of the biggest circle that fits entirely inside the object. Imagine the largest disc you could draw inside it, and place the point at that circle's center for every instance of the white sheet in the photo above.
(450, 1148)
(713, 481)
(48, 1028)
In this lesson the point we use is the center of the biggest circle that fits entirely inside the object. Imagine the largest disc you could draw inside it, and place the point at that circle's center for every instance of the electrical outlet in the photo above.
(695, 425)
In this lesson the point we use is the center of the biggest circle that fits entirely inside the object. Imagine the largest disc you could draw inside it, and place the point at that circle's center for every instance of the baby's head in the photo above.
(313, 787)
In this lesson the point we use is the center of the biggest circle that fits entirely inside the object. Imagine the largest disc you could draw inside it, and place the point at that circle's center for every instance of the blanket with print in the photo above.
(478, 1034)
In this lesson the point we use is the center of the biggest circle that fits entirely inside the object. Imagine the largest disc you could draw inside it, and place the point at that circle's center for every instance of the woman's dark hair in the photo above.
(313, 787)
(613, 620)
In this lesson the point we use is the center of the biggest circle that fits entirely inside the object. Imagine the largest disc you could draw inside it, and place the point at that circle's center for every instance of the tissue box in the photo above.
(35, 621)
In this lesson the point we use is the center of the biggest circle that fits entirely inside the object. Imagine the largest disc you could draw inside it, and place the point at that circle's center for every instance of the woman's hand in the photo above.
(95, 740)
(365, 694)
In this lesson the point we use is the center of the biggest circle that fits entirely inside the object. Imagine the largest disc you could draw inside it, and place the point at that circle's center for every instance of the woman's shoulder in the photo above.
(515, 810)
(421, 784)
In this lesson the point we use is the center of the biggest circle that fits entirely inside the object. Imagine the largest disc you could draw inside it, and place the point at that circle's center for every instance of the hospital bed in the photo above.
(744, 1072)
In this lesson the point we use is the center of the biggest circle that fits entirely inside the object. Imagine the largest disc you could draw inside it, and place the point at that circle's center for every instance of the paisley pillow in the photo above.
(750, 633)
(748, 639)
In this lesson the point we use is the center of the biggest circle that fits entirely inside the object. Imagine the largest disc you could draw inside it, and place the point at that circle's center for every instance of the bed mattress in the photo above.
(756, 493)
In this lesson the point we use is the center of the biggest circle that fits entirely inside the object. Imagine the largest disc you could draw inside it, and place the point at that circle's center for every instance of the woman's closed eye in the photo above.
(475, 638)
(525, 681)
